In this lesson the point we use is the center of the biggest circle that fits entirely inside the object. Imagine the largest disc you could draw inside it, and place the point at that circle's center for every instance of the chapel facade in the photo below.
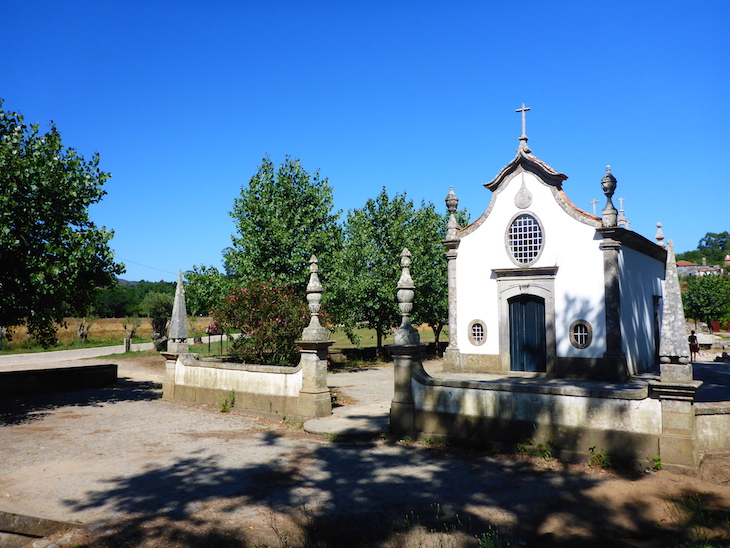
(539, 286)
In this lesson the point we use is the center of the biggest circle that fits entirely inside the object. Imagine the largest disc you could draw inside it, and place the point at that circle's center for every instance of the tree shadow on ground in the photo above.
(715, 377)
(369, 495)
(31, 408)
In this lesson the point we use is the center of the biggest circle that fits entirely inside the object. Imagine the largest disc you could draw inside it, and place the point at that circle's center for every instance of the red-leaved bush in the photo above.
(270, 320)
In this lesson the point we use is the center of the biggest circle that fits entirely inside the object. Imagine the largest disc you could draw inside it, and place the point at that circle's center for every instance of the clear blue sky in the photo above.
(182, 99)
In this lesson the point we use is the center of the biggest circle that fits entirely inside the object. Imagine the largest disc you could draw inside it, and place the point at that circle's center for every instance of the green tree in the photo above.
(52, 257)
(158, 308)
(205, 287)
(715, 246)
(115, 301)
(707, 298)
(429, 268)
(364, 288)
(283, 216)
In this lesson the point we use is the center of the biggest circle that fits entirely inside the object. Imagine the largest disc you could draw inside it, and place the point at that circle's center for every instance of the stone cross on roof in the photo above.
(523, 137)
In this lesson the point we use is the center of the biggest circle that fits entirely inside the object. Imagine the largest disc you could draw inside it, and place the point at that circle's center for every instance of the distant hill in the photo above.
(127, 283)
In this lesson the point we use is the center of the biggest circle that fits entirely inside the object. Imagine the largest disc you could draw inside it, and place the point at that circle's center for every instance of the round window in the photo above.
(524, 239)
(581, 334)
(477, 333)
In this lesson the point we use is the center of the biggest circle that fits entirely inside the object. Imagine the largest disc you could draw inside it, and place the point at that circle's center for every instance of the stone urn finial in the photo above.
(406, 334)
(609, 213)
(452, 202)
(314, 331)
(659, 235)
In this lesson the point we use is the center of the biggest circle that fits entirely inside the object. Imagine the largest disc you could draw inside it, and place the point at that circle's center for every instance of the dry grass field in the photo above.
(111, 331)
(103, 330)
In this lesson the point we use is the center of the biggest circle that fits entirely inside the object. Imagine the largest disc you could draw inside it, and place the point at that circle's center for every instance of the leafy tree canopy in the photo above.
(125, 298)
(158, 308)
(368, 267)
(205, 287)
(707, 298)
(52, 257)
(429, 269)
(283, 216)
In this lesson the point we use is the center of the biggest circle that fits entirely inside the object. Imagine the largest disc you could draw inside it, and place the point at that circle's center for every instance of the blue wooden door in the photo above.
(527, 333)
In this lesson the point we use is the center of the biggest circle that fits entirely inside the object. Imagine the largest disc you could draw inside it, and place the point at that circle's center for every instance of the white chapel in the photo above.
(537, 285)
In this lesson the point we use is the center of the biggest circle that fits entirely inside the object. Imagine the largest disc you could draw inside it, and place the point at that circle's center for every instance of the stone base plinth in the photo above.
(178, 347)
(314, 404)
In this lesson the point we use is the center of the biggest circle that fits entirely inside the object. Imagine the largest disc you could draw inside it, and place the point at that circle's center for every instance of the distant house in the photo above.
(686, 268)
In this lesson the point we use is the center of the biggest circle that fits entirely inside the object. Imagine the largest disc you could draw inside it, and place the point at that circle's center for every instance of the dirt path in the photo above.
(143, 472)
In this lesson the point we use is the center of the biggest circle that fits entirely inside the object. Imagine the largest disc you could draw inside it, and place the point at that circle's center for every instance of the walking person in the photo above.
(694, 346)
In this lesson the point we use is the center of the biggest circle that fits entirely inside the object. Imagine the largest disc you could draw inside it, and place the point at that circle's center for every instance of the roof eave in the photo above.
(530, 163)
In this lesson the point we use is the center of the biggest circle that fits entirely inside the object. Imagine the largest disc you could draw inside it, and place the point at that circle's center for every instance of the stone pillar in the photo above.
(614, 358)
(676, 391)
(677, 387)
(402, 408)
(406, 351)
(673, 344)
(314, 397)
(178, 340)
(168, 384)
(451, 356)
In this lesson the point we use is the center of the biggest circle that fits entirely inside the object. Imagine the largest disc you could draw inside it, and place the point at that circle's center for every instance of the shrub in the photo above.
(158, 308)
(599, 459)
(270, 319)
(226, 401)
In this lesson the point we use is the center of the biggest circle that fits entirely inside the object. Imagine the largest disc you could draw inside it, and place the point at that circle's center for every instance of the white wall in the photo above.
(253, 379)
(568, 243)
(640, 278)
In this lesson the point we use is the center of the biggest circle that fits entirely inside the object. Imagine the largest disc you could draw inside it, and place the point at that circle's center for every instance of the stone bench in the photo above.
(705, 340)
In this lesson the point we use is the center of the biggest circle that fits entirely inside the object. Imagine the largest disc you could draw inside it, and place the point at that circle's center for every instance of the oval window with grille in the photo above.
(525, 239)
(477, 333)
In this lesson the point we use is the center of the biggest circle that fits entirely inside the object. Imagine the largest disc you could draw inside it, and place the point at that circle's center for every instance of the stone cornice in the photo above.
(634, 241)
(533, 272)
(530, 163)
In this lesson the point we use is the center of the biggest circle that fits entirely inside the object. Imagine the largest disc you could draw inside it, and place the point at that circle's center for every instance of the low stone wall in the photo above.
(263, 390)
(632, 421)
(624, 422)
(60, 379)
(712, 426)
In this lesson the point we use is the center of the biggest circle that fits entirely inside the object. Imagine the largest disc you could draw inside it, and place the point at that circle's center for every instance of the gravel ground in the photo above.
(139, 471)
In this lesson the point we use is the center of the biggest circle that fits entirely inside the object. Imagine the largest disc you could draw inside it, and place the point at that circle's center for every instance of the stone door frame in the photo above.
(537, 282)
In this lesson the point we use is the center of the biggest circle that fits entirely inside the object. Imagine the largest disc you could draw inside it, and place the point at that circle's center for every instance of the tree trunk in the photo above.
(437, 335)
(379, 343)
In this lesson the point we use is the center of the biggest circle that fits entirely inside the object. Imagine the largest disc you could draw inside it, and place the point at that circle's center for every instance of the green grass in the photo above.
(28, 347)
(368, 338)
(226, 401)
